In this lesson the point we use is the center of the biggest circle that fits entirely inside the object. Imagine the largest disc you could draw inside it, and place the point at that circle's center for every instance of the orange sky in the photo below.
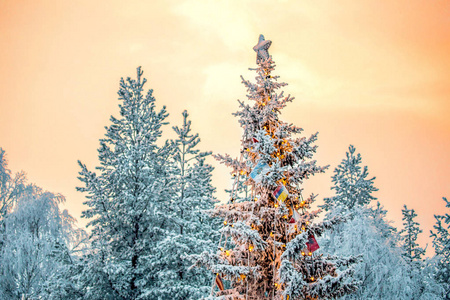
(368, 73)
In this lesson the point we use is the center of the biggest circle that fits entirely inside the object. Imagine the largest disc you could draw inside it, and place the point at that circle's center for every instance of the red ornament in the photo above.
(312, 243)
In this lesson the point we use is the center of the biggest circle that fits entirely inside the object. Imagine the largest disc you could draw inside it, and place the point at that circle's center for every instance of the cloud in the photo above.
(222, 80)
(228, 21)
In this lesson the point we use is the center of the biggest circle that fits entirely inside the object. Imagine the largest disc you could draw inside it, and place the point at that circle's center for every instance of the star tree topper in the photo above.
(262, 49)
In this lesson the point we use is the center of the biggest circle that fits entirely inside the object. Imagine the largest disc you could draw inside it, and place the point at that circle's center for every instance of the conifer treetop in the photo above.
(441, 244)
(410, 232)
(352, 184)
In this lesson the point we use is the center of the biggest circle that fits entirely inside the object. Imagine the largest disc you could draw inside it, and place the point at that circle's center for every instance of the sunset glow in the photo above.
(371, 74)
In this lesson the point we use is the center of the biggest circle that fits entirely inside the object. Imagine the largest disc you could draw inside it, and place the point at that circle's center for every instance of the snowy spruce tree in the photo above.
(441, 244)
(412, 251)
(127, 199)
(351, 185)
(420, 272)
(383, 272)
(188, 229)
(267, 244)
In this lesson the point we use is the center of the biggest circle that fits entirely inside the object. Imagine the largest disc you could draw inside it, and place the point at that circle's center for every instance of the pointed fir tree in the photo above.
(351, 185)
(127, 208)
(261, 255)
(189, 230)
(412, 251)
(423, 283)
(441, 244)
(384, 227)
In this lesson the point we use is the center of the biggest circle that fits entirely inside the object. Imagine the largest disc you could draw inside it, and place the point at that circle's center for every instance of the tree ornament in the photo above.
(219, 282)
(295, 217)
(258, 171)
(262, 49)
(312, 244)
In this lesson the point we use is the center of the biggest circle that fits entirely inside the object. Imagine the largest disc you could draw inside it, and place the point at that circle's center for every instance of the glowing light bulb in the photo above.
(250, 248)
(227, 252)
(303, 253)
(312, 278)
(309, 253)
(225, 222)
(276, 205)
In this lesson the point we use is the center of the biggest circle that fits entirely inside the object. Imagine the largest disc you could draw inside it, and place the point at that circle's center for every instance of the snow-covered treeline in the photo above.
(150, 205)
(393, 266)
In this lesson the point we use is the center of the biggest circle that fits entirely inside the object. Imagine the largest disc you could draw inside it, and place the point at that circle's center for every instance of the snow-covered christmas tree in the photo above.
(267, 244)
